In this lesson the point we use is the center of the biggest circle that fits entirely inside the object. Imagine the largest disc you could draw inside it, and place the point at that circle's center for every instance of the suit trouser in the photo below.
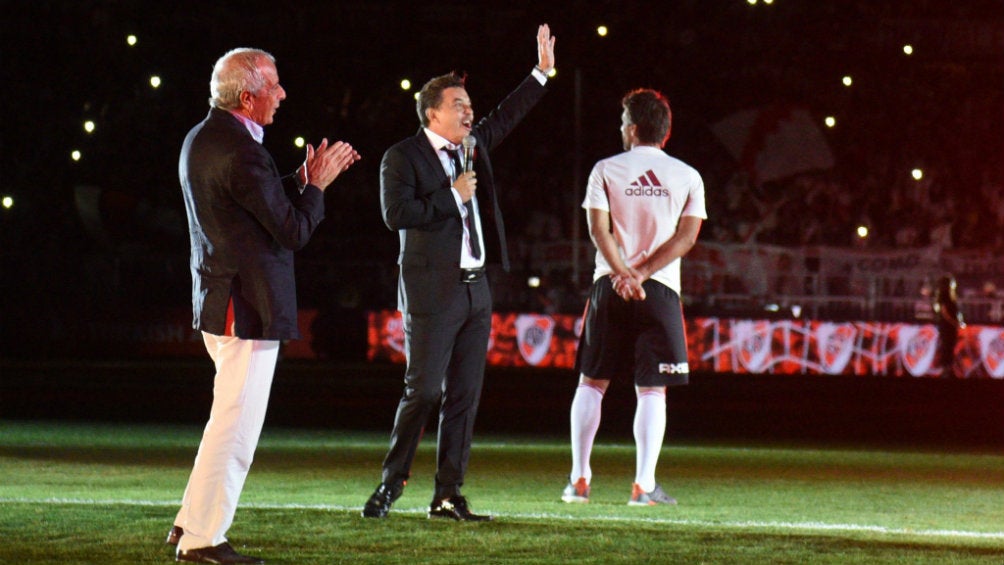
(446, 353)
(244, 370)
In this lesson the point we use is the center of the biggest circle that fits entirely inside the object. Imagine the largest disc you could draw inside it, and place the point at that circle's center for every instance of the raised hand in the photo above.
(545, 48)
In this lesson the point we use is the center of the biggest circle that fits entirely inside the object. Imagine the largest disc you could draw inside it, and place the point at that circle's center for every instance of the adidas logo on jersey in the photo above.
(646, 185)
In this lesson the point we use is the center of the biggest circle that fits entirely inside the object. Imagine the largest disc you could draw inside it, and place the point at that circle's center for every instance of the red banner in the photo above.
(739, 346)
(725, 345)
(517, 340)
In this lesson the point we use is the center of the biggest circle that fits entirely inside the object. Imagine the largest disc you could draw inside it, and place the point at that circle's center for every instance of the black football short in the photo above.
(645, 338)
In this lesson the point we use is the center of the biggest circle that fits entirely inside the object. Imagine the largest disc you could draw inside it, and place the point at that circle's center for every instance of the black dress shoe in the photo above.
(174, 535)
(222, 553)
(455, 508)
(379, 502)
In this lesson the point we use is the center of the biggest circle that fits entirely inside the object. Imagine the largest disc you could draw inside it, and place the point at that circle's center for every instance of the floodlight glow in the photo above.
(862, 232)
(917, 174)
(155, 81)
(416, 96)
(299, 142)
(7, 202)
(751, 2)
(75, 155)
(131, 40)
(552, 72)
(908, 49)
(847, 80)
(768, 2)
(533, 282)
(89, 126)
(830, 121)
(602, 31)
(405, 84)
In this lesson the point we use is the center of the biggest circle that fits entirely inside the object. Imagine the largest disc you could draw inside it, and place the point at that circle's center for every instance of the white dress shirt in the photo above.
(467, 260)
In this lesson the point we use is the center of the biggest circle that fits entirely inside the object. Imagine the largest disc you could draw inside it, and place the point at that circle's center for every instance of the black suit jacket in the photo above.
(244, 226)
(416, 200)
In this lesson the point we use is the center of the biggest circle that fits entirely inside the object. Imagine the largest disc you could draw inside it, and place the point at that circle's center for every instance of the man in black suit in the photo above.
(443, 294)
(244, 226)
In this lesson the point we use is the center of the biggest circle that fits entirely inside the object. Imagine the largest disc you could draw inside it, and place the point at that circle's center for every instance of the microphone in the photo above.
(468, 144)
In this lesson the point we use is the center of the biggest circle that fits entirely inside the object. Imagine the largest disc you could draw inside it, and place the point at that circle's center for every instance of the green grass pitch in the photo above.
(102, 493)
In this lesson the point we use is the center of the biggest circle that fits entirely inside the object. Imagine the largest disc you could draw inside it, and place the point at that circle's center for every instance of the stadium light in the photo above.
(830, 121)
(155, 81)
(299, 142)
(76, 155)
(847, 80)
(131, 40)
(405, 84)
(908, 49)
(533, 282)
(917, 174)
(862, 232)
(7, 202)
(89, 126)
(602, 31)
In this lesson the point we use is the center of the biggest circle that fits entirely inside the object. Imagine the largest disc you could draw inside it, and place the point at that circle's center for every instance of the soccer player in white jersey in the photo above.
(645, 210)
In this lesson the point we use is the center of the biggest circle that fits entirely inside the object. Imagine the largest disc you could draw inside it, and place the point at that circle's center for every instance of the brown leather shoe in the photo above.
(222, 553)
(174, 535)
(455, 508)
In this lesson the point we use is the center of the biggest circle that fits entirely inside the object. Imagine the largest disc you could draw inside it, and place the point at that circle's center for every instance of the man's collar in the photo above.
(438, 142)
(256, 131)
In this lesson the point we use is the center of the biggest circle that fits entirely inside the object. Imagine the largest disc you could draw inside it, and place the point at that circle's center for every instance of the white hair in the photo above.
(236, 72)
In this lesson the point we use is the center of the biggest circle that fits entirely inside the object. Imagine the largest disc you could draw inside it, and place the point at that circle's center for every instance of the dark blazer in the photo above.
(244, 226)
(416, 200)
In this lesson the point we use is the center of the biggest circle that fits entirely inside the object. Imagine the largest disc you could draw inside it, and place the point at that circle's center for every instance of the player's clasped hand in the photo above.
(628, 286)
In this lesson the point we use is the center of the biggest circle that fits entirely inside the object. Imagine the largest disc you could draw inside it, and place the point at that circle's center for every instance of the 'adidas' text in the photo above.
(646, 185)
(646, 191)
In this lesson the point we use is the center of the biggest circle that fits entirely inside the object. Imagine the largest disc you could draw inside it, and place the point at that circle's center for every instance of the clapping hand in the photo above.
(323, 165)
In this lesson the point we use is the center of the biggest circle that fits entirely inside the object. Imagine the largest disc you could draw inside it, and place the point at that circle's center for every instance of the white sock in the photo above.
(585, 418)
(649, 430)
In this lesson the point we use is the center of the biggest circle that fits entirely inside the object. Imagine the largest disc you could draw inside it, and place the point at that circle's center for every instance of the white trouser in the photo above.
(244, 370)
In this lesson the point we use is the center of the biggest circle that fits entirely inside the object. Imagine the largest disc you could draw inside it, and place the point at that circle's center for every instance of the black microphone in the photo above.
(468, 143)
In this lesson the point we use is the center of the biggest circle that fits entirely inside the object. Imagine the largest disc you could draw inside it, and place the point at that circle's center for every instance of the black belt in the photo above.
(472, 275)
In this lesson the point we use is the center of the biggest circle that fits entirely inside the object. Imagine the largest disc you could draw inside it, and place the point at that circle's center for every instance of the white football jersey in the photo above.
(646, 192)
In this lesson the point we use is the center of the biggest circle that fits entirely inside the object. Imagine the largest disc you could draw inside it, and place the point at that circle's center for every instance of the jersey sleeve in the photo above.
(596, 194)
(695, 199)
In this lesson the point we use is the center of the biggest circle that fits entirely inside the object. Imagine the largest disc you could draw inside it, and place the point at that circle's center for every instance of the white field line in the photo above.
(740, 525)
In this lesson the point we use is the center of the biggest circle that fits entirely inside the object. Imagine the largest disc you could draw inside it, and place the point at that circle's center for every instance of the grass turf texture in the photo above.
(76, 493)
